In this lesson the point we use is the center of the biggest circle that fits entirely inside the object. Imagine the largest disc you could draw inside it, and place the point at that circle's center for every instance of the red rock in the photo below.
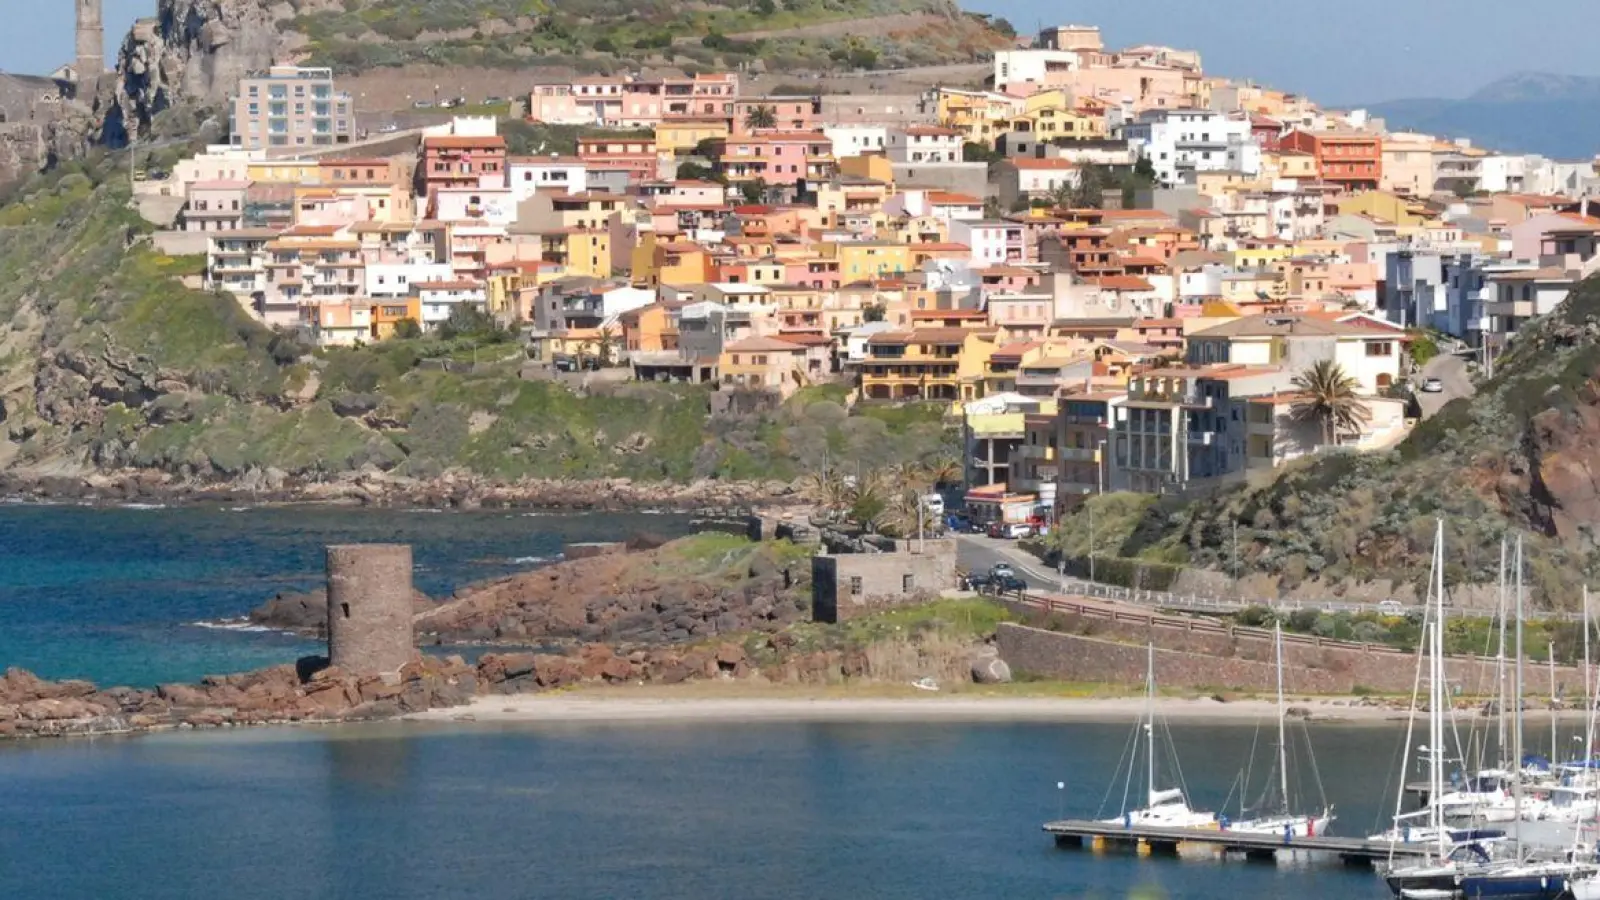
(183, 695)
(730, 655)
(616, 670)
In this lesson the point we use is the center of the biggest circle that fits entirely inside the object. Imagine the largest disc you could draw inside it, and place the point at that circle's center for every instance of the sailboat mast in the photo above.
(1555, 752)
(1437, 698)
(1500, 658)
(1150, 721)
(1588, 686)
(1516, 700)
(1283, 744)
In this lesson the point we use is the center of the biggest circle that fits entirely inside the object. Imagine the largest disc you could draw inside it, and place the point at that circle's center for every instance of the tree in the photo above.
(754, 191)
(1330, 401)
(693, 171)
(827, 488)
(873, 312)
(765, 7)
(761, 116)
(407, 329)
(606, 345)
(975, 152)
(943, 470)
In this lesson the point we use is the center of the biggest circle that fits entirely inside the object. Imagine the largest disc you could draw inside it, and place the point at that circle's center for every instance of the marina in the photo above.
(1155, 841)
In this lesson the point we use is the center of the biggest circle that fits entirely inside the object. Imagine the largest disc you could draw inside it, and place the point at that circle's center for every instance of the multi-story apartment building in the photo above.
(1180, 142)
(460, 161)
(924, 144)
(291, 106)
(777, 157)
(1351, 160)
(1083, 434)
(925, 364)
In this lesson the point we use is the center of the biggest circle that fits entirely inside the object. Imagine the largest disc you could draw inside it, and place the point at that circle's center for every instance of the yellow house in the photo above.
(681, 136)
(869, 166)
(1050, 115)
(1386, 207)
(581, 252)
(980, 116)
(1295, 164)
(1260, 254)
(926, 364)
(387, 313)
(866, 260)
(284, 171)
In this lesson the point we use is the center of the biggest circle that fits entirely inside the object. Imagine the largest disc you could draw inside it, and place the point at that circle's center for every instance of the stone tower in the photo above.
(91, 43)
(369, 609)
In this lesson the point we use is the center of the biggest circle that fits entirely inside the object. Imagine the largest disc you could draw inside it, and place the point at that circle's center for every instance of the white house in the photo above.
(1180, 142)
(401, 279)
(441, 298)
(1035, 179)
(917, 202)
(476, 205)
(924, 144)
(993, 241)
(855, 139)
(528, 175)
(1016, 71)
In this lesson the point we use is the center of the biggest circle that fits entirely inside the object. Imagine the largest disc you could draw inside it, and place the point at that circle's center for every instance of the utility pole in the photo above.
(1091, 542)
(1236, 558)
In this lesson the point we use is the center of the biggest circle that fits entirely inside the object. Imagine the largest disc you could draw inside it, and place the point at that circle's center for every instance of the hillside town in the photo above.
(1117, 272)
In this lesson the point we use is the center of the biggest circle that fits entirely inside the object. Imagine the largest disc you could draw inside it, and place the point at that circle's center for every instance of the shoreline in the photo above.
(647, 706)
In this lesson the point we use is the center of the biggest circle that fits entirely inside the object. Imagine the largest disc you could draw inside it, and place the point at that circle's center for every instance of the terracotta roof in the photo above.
(758, 344)
(804, 338)
(947, 198)
(948, 314)
(1545, 274)
(1124, 283)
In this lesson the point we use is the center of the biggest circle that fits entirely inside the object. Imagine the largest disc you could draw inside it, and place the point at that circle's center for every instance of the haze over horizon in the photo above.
(1335, 59)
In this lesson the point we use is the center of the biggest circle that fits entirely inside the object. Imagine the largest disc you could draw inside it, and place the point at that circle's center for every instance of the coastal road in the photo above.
(1457, 380)
(978, 553)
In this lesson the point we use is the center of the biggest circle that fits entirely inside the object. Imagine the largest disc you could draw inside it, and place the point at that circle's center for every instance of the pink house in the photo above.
(789, 113)
(777, 157)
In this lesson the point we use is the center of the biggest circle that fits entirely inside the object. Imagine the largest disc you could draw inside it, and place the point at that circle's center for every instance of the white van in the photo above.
(933, 503)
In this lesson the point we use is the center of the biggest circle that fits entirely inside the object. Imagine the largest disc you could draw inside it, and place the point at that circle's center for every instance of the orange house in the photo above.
(386, 314)
(1352, 160)
(649, 329)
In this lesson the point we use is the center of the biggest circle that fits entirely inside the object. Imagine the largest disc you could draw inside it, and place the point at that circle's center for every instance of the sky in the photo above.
(1340, 52)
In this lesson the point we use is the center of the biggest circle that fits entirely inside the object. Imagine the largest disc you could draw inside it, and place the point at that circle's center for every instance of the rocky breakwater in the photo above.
(202, 482)
(690, 589)
(309, 691)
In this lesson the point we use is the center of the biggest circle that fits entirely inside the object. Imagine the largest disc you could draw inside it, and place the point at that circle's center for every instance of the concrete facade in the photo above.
(847, 585)
(370, 608)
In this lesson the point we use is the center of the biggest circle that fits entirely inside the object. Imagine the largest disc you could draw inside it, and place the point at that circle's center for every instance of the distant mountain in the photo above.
(1533, 112)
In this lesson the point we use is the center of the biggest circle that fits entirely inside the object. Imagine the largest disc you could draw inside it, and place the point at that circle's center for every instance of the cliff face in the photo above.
(193, 51)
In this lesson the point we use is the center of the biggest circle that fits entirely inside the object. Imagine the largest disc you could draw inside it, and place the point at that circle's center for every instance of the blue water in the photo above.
(757, 811)
(115, 595)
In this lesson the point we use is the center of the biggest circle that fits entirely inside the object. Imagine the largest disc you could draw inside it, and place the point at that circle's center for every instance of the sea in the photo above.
(542, 810)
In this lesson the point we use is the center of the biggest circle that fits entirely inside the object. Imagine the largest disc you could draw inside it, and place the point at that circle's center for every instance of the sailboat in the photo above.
(1283, 821)
(1164, 808)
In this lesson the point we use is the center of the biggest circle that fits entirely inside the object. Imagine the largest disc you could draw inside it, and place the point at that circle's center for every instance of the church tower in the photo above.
(91, 43)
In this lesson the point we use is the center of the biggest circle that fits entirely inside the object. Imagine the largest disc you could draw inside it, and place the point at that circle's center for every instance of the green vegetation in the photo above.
(964, 620)
(1501, 463)
(108, 360)
(598, 36)
(1474, 635)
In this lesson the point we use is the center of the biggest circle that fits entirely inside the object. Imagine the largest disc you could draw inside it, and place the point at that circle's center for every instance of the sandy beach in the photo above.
(623, 705)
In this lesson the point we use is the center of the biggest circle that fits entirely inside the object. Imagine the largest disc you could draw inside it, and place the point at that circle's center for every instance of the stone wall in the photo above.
(847, 585)
(370, 608)
(1240, 659)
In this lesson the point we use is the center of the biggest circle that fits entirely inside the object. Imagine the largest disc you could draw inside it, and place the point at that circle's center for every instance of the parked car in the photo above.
(1007, 584)
(422, 104)
(933, 503)
(1002, 570)
(1432, 386)
(958, 523)
(1016, 530)
(995, 529)
(976, 581)
(1392, 608)
(390, 128)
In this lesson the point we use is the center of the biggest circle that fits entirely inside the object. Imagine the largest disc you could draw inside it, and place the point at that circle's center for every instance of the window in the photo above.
(908, 583)
(855, 585)
(1380, 348)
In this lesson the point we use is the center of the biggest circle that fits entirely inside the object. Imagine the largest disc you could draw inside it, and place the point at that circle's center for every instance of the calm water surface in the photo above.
(780, 811)
(115, 595)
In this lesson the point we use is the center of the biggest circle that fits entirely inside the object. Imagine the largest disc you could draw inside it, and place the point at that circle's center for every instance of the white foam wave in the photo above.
(240, 625)
(531, 560)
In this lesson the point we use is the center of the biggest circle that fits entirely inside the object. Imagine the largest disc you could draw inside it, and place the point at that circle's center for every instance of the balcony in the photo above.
(1202, 438)
(1521, 309)
(1080, 454)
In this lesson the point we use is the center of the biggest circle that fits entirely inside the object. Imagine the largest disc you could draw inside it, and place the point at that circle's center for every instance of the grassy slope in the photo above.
(1368, 516)
(607, 35)
(69, 282)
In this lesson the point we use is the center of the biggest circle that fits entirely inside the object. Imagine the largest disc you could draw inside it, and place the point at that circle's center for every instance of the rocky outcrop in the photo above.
(307, 613)
(192, 52)
(311, 691)
(637, 597)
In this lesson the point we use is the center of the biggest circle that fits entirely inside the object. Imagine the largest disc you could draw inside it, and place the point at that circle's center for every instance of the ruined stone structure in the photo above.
(370, 609)
(91, 63)
(846, 585)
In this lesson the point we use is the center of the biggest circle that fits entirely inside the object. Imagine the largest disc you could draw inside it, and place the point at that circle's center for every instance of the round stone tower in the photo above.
(369, 608)
(91, 44)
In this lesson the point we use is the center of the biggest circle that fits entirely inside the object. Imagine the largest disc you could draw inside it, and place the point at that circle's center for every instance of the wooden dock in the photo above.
(1186, 841)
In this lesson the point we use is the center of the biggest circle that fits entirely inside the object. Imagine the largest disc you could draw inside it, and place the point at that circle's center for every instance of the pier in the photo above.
(1182, 841)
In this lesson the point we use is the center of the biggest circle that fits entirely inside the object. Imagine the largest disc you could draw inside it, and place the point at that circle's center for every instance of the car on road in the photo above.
(1002, 570)
(1432, 386)
(390, 128)
(976, 581)
(1007, 584)
(1392, 608)
(1016, 530)
(422, 104)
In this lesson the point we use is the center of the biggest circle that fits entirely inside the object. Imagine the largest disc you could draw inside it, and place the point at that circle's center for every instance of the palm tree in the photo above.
(761, 117)
(943, 470)
(606, 345)
(828, 489)
(1329, 401)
